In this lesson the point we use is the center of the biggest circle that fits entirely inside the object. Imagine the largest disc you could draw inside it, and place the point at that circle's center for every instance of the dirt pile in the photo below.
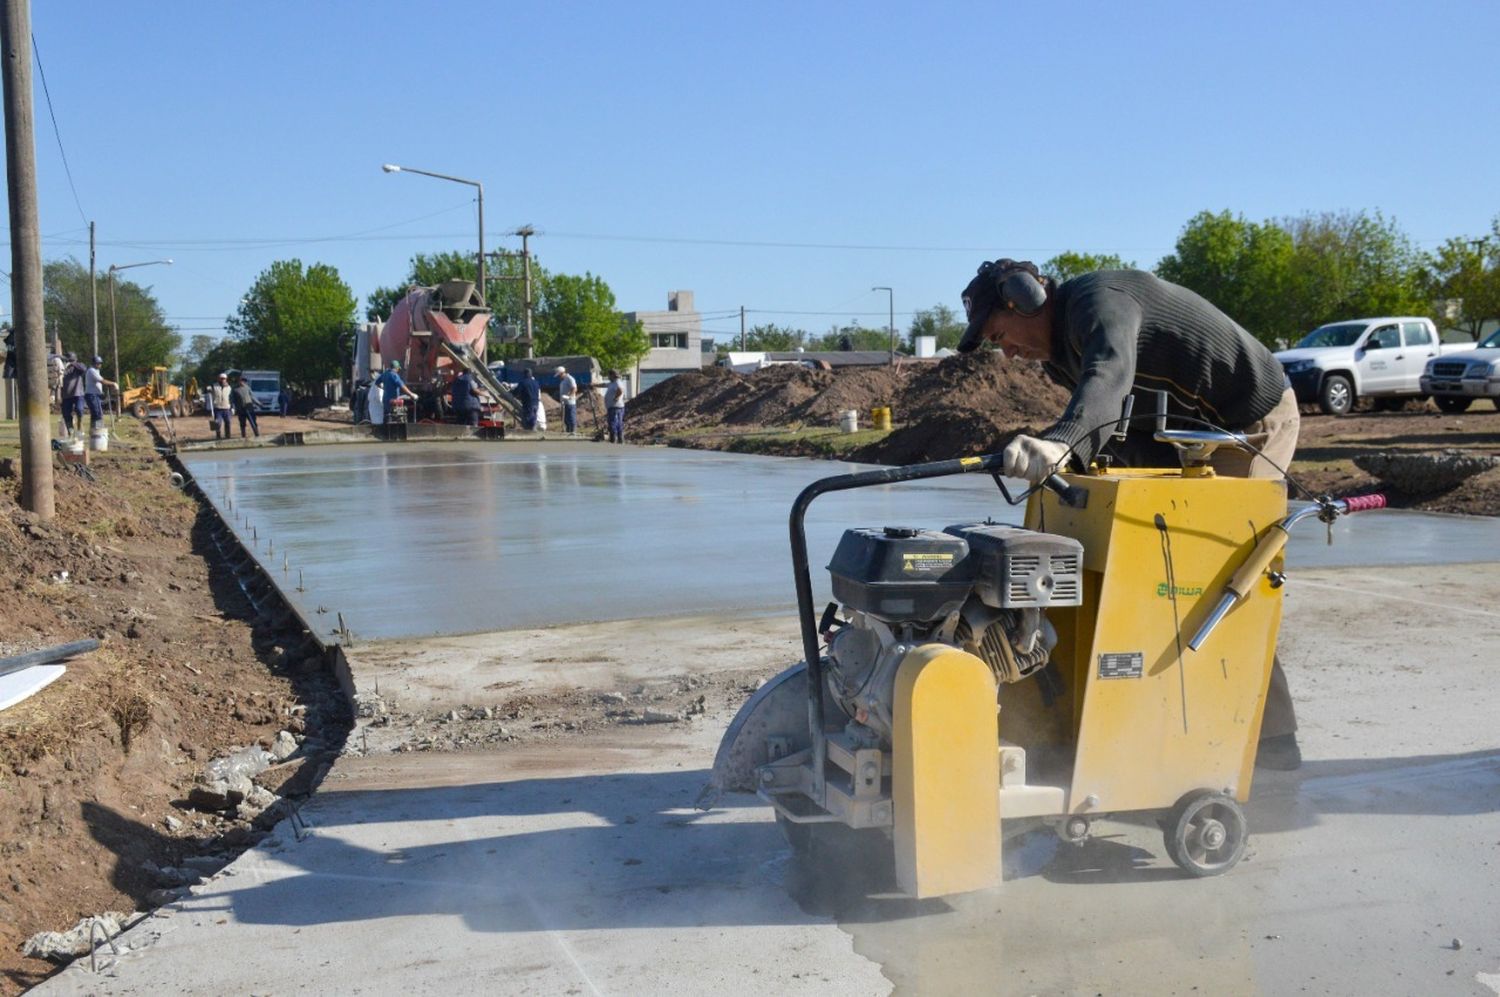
(945, 408)
(95, 769)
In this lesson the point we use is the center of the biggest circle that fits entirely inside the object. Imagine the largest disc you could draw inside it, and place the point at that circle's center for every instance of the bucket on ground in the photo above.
(73, 451)
(880, 417)
(849, 421)
(99, 438)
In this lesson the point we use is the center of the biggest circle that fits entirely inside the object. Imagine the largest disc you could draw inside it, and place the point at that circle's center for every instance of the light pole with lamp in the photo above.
(891, 300)
(114, 332)
(479, 272)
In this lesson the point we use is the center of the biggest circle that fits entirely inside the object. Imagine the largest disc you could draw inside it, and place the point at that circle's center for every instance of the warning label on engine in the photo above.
(926, 563)
(1122, 665)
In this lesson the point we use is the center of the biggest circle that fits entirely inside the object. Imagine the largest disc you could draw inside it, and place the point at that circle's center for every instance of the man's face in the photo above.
(1016, 335)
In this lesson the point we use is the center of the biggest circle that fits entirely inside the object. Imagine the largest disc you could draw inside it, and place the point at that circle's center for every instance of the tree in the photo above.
(576, 316)
(1464, 275)
(1243, 267)
(226, 354)
(852, 337)
(1066, 266)
(939, 321)
(1351, 264)
(191, 358)
(770, 338)
(291, 321)
(146, 340)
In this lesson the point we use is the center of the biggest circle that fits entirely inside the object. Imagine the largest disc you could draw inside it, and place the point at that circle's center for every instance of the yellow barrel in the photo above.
(880, 417)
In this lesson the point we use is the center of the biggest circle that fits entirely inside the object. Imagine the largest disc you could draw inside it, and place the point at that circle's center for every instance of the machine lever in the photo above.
(1241, 582)
(1073, 496)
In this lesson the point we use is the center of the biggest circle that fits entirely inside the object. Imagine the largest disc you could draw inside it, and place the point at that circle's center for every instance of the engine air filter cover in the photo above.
(901, 573)
(1017, 568)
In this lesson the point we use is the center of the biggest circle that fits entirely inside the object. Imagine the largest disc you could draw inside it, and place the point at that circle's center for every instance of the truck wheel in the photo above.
(1454, 404)
(1336, 397)
(138, 410)
(1206, 833)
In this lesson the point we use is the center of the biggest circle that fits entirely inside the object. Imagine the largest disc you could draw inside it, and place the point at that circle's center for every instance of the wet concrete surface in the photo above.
(419, 539)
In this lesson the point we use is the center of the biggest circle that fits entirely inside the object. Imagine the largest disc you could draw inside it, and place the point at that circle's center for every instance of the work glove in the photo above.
(1033, 459)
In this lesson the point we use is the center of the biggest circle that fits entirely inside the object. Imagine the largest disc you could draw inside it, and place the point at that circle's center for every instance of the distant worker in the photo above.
(220, 398)
(1113, 332)
(242, 399)
(393, 388)
(93, 392)
(530, 394)
(465, 401)
(283, 402)
(74, 386)
(375, 403)
(567, 393)
(614, 407)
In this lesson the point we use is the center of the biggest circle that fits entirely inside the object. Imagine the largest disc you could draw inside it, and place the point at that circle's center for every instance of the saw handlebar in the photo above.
(1271, 544)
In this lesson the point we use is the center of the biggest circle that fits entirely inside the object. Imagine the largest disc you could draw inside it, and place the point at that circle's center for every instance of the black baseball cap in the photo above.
(984, 294)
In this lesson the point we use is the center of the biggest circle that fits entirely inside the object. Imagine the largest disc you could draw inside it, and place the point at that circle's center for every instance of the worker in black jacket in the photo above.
(1112, 333)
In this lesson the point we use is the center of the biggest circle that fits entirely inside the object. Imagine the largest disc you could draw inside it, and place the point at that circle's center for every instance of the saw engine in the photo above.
(982, 587)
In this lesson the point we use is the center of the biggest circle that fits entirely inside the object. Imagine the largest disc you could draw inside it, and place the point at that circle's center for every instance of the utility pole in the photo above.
(93, 293)
(26, 261)
(742, 328)
(526, 232)
(891, 301)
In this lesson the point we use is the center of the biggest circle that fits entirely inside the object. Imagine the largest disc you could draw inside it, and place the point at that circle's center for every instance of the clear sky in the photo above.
(780, 156)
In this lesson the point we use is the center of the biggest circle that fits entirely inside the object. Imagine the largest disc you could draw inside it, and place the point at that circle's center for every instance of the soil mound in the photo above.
(960, 405)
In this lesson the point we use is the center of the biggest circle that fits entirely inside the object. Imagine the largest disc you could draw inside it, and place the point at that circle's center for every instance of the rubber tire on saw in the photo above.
(1182, 825)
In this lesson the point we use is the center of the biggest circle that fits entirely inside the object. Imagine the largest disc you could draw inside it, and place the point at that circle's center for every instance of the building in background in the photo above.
(676, 342)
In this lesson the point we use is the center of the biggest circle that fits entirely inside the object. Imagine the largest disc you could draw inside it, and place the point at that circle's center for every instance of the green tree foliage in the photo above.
(224, 355)
(939, 321)
(145, 338)
(1243, 267)
(190, 358)
(1066, 266)
(1349, 265)
(1283, 277)
(852, 337)
(291, 321)
(770, 338)
(576, 316)
(1462, 276)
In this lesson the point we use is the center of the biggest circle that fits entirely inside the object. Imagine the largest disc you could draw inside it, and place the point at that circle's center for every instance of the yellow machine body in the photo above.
(944, 771)
(1153, 720)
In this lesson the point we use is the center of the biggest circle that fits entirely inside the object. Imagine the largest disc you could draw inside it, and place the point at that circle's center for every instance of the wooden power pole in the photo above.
(26, 261)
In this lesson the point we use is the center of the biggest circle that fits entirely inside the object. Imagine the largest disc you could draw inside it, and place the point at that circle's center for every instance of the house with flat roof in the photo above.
(676, 341)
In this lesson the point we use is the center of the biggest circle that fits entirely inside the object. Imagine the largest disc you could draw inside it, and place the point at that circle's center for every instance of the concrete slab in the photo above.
(578, 867)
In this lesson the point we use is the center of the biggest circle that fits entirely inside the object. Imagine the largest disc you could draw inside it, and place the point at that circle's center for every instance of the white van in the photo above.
(265, 385)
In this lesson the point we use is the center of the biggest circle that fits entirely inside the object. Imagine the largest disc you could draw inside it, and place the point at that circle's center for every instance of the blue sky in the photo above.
(781, 156)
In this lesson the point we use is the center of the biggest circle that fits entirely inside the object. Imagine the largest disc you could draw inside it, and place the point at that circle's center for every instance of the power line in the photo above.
(56, 132)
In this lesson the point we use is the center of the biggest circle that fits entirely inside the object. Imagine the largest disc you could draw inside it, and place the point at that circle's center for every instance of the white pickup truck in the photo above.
(1456, 379)
(1337, 364)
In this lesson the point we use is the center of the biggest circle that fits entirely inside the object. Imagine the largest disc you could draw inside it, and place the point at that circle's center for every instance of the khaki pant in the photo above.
(1276, 438)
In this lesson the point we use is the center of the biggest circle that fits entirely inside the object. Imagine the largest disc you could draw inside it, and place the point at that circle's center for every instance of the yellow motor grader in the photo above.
(156, 393)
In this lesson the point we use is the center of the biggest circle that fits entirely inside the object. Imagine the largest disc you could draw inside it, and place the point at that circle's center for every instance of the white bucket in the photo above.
(849, 421)
(73, 451)
(99, 438)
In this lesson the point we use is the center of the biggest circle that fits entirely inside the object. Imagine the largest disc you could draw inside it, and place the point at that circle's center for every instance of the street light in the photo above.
(891, 300)
(479, 272)
(114, 332)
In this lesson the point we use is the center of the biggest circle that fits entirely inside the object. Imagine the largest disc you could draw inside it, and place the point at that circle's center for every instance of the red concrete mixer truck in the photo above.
(435, 332)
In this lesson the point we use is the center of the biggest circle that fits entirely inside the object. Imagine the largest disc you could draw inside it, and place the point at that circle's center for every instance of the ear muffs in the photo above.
(1022, 292)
